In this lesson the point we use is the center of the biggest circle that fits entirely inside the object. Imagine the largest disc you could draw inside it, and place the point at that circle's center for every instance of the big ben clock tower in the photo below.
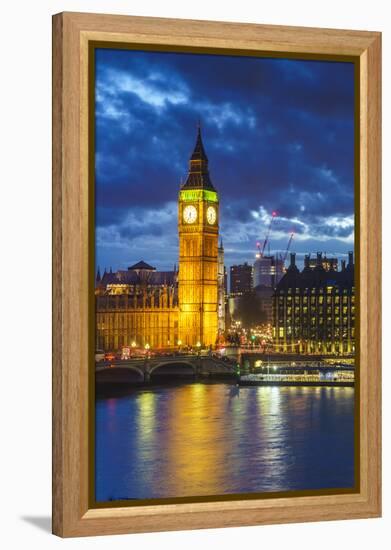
(198, 227)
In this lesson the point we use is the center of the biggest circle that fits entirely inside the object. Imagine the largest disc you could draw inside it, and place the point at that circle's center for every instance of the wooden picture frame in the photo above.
(72, 192)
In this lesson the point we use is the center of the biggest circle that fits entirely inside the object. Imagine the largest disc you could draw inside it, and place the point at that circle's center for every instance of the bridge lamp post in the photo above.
(147, 347)
(133, 344)
(198, 345)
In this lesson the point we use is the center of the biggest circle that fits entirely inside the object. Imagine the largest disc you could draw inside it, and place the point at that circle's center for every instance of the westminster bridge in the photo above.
(144, 370)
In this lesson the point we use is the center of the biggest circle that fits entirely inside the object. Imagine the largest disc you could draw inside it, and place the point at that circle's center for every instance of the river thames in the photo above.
(216, 439)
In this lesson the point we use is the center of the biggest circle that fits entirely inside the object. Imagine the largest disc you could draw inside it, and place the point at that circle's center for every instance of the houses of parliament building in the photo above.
(144, 307)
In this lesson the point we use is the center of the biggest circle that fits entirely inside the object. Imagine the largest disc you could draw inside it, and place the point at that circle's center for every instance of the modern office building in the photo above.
(241, 279)
(268, 270)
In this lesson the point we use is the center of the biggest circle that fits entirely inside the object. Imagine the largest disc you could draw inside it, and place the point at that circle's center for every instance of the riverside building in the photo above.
(314, 309)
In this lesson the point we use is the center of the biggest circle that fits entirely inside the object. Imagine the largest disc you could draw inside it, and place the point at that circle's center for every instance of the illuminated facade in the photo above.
(147, 308)
(314, 310)
(221, 286)
(138, 306)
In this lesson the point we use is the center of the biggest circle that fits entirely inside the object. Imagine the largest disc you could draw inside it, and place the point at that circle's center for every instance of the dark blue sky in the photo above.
(279, 135)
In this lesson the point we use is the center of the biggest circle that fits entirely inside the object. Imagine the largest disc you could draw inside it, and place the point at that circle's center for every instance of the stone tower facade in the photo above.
(221, 277)
(198, 229)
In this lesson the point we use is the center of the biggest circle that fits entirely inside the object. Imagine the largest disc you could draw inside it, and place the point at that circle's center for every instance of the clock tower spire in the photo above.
(198, 176)
(198, 228)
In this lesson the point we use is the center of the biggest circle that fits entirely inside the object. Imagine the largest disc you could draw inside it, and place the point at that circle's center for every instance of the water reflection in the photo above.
(208, 439)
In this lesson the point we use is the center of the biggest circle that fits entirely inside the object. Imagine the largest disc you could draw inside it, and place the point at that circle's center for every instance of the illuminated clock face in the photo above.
(211, 215)
(190, 214)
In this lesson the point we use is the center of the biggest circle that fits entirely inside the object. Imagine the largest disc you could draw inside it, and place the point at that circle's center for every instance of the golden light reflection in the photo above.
(205, 439)
(199, 393)
(146, 420)
(196, 445)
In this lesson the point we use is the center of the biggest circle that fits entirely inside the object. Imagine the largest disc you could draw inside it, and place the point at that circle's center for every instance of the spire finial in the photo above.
(198, 176)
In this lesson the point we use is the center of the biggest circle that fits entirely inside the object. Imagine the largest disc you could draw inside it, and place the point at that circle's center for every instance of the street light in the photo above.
(147, 346)
(198, 346)
(133, 344)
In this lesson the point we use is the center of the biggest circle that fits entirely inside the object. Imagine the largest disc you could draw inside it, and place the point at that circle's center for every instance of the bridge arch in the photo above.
(173, 369)
(120, 374)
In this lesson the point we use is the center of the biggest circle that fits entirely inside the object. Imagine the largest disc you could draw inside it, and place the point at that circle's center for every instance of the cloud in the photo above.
(149, 89)
(279, 135)
(143, 234)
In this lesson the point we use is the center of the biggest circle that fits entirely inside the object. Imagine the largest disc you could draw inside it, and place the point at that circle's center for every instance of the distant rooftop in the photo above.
(141, 265)
(317, 276)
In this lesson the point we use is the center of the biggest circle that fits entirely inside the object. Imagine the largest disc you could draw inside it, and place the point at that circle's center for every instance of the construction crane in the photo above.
(262, 250)
(287, 249)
